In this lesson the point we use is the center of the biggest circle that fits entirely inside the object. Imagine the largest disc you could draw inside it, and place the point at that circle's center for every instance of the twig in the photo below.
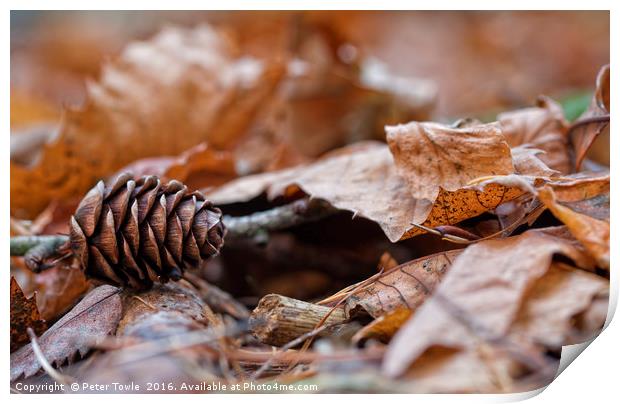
(36, 249)
(282, 217)
(291, 344)
(20, 245)
(279, 319)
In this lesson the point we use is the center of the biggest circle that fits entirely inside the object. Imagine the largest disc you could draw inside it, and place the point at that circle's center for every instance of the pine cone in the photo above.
(133, 233)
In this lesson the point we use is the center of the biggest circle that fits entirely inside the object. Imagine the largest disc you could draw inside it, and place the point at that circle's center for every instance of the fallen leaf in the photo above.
(137, 109)
(542, 127)
(362, 178)
(95, 317)
(431, 156)
(59, 288)
(200, 166)
(481, 295)
(404, 286)
(153, 324)
(24, 315)
(384, 327)
(552, 302)
(28, 109)
(591, 232)
(587, 195)
(528, 161)
(583, 136)
(444, 370)
(167, 309)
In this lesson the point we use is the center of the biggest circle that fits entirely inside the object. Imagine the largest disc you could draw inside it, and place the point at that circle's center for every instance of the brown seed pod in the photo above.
(134, 233)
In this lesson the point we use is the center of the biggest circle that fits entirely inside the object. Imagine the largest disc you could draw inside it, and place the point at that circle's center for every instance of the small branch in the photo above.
(282, 217)
(279, 320)
(20, 245)
(36, 249)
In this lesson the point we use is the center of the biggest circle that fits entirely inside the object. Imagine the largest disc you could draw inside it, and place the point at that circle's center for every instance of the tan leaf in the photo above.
(591, 232)
(542, 127)
(384, 327)
(362, 178)
(404, 286)
(93, 318)
(553, 301)
(528, 161)
(24, 315)
(586, 195)
(583, 136)
(430, 156)
(443, 370)
(481, 295)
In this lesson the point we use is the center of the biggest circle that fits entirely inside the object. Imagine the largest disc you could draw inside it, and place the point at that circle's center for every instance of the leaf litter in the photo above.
(318, 119)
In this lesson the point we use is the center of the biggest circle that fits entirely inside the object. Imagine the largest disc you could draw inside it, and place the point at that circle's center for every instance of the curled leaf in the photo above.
(480, 296)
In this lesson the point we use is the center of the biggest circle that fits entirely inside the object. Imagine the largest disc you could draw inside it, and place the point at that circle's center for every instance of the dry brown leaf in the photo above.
(362, 178)
(24, 315)
(586, 195)
(93, 318)
(542, 127)
(200, 166)
(553, 301)
(59, 288)
(583, 136)
(153, 324)
(481, 295)
(444, 370)
(161, 311)
(404, 286)
(591, 232)
(384, 327)
(430, 156)
(137, 109)
(28, 109)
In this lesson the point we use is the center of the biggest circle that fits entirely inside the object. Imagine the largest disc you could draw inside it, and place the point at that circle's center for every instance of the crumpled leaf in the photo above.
(384, 327)
(528, 161)
(430, 156)
(583, 136)
(93, 318)
(553, 301)
(444, 370)
(541, 127)
(363, 179)
(139, 109)
(479, 298)
(404, 286)
(24, 315)
(146, 351)
(591, 232)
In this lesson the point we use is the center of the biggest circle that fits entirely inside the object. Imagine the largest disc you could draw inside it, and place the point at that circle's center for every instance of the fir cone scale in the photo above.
(135, 233)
